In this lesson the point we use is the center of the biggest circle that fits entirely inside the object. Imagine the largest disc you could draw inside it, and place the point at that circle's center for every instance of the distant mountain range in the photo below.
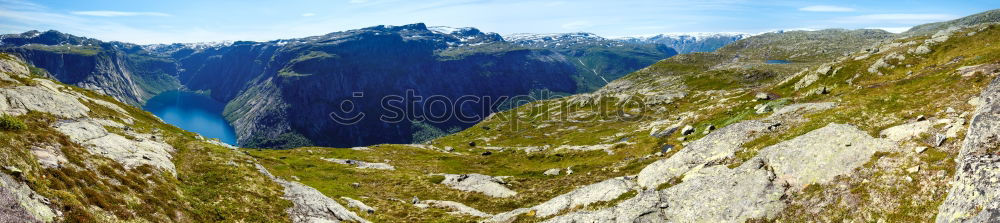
(266, 83)
(689, 42)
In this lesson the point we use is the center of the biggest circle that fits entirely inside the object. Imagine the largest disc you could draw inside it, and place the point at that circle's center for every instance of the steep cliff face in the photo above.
(115, 69)
(306, 82)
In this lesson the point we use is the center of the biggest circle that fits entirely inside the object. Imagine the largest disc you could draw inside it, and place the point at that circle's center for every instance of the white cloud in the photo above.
(896, 18)
(577, 25)
(118, 13)
(826, 8)
(308, 14)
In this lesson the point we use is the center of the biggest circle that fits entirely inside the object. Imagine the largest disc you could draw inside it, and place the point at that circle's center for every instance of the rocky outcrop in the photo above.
(488, 185)
(603, 191)
(352, 203)
(973, 196)
(45, 97)
(906, 131)
(130, 150)
(715, 146)
(755, 189)
(455, 208)
(362, 164)
(310, 205)
(801, 108)
(822, 154)
(18, 203)
(720, 194)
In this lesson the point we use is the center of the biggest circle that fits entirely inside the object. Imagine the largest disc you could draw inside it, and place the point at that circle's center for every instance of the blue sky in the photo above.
(205, 20)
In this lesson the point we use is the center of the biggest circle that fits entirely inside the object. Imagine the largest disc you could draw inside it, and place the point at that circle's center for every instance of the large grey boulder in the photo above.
(720, 194)
(715, 146)
(310, 205)
(135, 150)
(906, 131)
(21, 99)
(49, 155)
(455, 208)
(361, 164)
(974, 195)
(606, 190)
(643, 206)
(552, 172)
(489, 185)
(352, 203)
(822, 154)
(801, 108)
(713, 194)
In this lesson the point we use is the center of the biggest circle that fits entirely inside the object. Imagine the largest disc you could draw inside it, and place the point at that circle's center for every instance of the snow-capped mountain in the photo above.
(173, 47)
(689, 42)
(550, 40)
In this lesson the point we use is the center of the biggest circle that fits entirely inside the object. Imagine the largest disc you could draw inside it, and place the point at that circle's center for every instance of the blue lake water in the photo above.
(193, 112)
(777, 62)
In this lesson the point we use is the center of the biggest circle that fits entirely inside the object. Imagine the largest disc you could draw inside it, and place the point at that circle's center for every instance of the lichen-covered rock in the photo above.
(49, 155)
(489, 185)
(310, 205)
(455, 207)
(21, 99)
(806, 80)
(973, 196)
(720, 194)
(132, 151)
(362, 164)
(802, 108)
(18, 203)
(352, 203)
(906, 131)
(552, 172)
(644, 205)
(602, 191)
(822, 154)
(718, 145)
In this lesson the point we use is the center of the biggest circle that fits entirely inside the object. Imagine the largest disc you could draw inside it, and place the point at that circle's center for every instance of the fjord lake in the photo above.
(193, 112)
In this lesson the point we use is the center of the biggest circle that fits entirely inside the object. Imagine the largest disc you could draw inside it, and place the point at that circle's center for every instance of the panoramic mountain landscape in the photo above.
(426, 123)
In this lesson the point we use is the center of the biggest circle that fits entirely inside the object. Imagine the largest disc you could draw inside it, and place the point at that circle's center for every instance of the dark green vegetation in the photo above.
(11, 123)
